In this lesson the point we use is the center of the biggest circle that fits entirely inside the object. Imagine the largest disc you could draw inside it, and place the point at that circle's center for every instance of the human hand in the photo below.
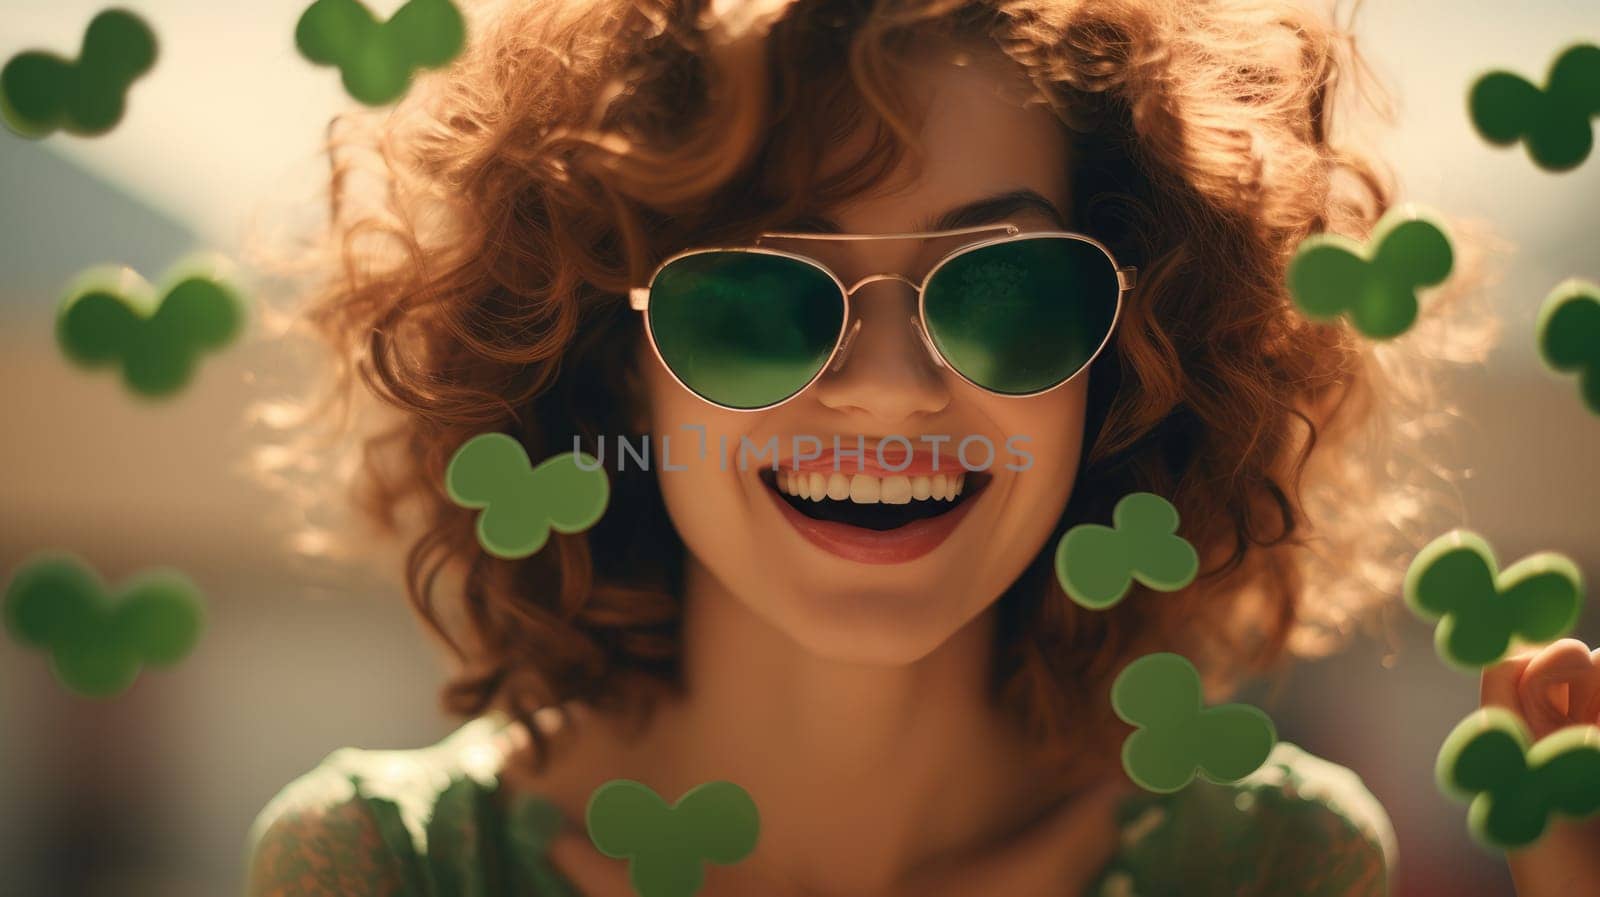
(1549, 688)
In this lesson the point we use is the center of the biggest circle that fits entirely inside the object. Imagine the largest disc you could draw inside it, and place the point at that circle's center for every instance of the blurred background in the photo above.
(152, 793)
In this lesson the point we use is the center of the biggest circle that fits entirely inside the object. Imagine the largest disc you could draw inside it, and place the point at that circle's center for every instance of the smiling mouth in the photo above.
(874, 503)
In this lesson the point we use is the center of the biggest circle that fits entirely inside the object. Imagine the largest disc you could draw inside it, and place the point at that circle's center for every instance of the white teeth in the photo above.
(863, 488)
(896, 491)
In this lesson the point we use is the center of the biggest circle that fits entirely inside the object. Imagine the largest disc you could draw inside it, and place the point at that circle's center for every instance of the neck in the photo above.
(865, 772)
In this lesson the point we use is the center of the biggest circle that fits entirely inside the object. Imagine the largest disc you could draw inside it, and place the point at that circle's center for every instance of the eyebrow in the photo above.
(987, 210)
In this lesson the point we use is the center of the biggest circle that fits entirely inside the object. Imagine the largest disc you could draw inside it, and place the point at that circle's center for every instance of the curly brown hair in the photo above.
(575, 143)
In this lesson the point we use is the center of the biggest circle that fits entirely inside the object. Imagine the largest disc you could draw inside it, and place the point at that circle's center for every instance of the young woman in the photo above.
(880, 655)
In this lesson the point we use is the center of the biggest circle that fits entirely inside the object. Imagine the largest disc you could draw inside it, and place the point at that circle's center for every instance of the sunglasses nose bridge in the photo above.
(884, 276)
(914, 321)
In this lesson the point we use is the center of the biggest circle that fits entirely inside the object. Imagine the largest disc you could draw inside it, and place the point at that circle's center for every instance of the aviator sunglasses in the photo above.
(748, 328)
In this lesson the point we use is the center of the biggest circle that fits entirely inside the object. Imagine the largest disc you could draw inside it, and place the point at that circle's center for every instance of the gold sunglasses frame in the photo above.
(1127, 279)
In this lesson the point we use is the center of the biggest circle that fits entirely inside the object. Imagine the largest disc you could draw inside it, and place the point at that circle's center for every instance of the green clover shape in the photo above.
(1553, 122)
(1176, 736)
(1514, 789)
(522, 503)
(376, 59)
(1569, 335)
(97, 642)
(112, 316)
(1097, 564)
(1454, 579)
(1375, 284)
(41, 92)
(667, 847)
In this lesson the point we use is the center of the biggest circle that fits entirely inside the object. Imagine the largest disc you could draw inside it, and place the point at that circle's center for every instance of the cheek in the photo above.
(1045, 435)
(1049, 428)
(701, 493)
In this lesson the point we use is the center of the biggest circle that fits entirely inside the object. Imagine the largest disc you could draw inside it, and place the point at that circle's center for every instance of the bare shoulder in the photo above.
(317, 838)
(580, 751)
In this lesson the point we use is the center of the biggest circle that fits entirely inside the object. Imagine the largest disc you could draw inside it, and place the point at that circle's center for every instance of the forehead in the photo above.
(982, 134)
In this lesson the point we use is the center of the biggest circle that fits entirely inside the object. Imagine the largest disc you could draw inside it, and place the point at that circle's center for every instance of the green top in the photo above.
(433, 822)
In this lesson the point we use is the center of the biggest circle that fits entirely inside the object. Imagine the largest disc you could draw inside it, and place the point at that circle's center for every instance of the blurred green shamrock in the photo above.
(98, 642)
(1514, 789)
(667, 847)
(1553, 122)
(1097, 564)
(1454, 579)
(522, 503)
(1176, 736)
(41, 92)
(112, 316)
(376, 59)
(1376, 283)
(1569, 335)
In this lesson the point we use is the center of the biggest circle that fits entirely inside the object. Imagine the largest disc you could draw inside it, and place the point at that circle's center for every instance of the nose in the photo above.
(885, 368)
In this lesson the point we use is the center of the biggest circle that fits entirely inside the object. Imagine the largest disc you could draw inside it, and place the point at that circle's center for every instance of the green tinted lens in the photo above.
(1022, 316)
(745, 329)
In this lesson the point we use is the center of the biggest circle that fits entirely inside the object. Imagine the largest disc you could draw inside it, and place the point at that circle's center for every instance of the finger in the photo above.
(1583, 704)
(1582, 681)
(1498, 687)
(1081, 819)
(1093, 826)
(592, 871)
(1545, 686)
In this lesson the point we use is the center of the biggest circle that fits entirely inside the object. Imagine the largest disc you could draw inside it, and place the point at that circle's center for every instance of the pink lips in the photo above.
(866, 546)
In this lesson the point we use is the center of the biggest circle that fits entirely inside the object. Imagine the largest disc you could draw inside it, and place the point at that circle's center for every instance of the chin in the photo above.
(870, 627)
